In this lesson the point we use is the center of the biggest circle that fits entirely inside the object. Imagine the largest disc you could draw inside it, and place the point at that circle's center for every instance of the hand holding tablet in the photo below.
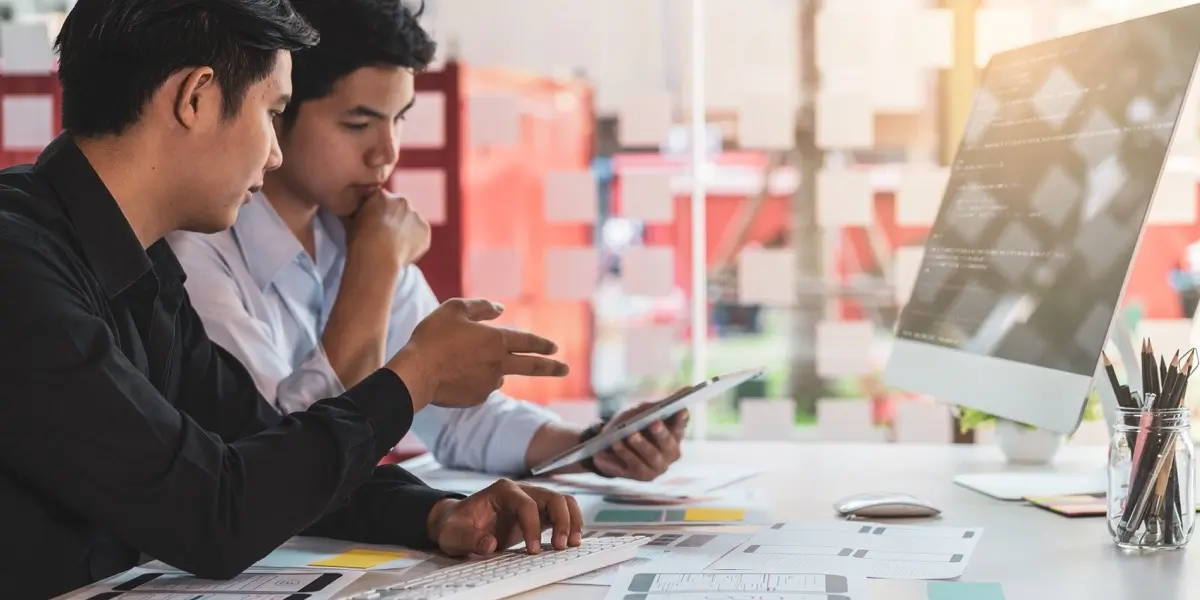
(659, 411)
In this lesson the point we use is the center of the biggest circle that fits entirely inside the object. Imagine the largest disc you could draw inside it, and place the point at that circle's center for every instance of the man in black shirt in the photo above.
(126, 431)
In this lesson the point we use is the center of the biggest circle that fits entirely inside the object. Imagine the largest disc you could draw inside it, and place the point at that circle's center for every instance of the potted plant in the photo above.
(1021, 443)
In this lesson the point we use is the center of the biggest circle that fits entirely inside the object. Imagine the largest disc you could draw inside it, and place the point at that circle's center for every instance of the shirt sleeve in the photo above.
(493, 437)
(221, 303)
(94, 435)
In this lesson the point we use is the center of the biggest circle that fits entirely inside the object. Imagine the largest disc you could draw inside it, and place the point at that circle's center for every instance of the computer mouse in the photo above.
(884, 505)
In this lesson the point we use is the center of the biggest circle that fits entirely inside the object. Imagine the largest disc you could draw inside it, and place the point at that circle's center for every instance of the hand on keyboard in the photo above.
(501, 516)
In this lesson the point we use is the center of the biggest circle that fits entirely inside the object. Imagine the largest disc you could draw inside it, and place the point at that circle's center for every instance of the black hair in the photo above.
(115, 54)
(355, 34)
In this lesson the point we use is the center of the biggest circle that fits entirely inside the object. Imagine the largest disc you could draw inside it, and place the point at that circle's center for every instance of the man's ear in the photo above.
(198, 98)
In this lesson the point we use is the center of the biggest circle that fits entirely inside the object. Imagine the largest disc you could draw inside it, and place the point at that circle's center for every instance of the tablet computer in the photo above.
(686, 398)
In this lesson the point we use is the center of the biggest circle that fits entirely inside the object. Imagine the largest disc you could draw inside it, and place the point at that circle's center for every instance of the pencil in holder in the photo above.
(1151, 478)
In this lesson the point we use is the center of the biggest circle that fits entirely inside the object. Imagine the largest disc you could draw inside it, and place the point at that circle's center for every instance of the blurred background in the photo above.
(678, 188)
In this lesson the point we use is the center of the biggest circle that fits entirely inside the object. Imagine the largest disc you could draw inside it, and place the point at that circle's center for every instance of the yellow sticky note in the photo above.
(359, 558)
(714, 514)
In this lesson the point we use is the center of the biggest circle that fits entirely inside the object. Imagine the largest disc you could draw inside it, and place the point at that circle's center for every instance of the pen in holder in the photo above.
(1151, 487)
(1151, 471)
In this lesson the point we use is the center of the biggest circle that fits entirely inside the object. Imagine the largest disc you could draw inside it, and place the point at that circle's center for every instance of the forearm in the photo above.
(551, 440)
(393, 507)
(355, 337)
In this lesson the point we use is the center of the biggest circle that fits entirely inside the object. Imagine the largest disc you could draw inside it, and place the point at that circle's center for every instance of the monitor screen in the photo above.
(1046, 200)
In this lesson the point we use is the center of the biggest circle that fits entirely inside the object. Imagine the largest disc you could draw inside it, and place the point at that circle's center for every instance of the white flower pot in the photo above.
(1022, 445)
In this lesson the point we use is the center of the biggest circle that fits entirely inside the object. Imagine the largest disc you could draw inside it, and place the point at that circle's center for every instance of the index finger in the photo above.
(522, 342)
(533, 366)
(528, 516)
(556, 508)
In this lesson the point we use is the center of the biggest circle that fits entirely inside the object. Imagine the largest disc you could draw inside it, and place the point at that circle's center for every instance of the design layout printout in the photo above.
(142, 584)
(688, 551)
(855, 549)
(633, 584)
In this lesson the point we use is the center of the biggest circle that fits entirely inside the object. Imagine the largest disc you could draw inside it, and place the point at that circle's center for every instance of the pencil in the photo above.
(1162, 373)
(1171, 381)
(1146, 389)
(1121, 391)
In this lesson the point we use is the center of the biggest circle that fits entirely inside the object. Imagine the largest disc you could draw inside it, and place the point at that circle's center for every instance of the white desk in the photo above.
(1036, 554)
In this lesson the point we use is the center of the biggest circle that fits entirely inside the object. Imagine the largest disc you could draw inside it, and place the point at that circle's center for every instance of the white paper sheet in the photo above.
(845, 197)
(651, 582)
(572, 273)
(26, 49)
(302, 552)
(570, 197)
(425, 123)
(844, 348)
(1174, 199)
(1017, 486)
(646, 196)
(681, 480)
(686, 550)
(840, 42)
(28, 122)
(646, 121)
(650, 350)
(739, 506)
(845, 121)
(494, 274)
(767, 276)
(766, 123)
(494, 119)
(186, 596)
(425, 190)
(767, 419)
(648, 271)
(256, 584)
(856, 549)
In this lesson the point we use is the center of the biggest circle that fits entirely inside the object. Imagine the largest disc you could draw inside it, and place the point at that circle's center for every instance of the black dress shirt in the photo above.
(125, 431)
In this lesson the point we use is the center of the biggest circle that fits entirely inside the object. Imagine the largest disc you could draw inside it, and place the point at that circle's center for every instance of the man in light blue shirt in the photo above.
(315, 284)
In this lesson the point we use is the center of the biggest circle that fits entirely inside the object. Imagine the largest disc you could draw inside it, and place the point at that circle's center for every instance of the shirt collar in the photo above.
(268, 245)
(105, 237)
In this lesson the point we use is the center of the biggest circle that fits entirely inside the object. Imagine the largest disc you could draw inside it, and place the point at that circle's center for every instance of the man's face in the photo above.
(231, 158)
(343, 147)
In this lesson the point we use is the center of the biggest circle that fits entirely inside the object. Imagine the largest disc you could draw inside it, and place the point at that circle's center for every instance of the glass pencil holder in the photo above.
(1151, 496)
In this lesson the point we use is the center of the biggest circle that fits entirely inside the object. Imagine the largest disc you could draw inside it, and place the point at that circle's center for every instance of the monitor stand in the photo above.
(1017, 485)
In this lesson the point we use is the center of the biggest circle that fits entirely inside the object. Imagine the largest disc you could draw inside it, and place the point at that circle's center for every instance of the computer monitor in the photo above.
(1048, 193)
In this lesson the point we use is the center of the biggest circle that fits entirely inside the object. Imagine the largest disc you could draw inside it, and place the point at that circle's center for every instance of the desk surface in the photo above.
(1035, 554)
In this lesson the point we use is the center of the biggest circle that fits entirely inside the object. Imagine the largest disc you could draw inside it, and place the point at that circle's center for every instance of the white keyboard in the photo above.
(511, 573)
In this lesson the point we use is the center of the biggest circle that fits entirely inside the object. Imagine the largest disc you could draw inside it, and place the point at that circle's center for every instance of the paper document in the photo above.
(856, 549)
(310, 552)
(689, 551)
(189, 596)
(733, 507)
(144, 584)
(1016, 486)
(681, 481)
(653, 585)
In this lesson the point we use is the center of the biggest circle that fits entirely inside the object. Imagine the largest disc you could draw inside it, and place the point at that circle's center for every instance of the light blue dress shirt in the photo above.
(264, 299)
